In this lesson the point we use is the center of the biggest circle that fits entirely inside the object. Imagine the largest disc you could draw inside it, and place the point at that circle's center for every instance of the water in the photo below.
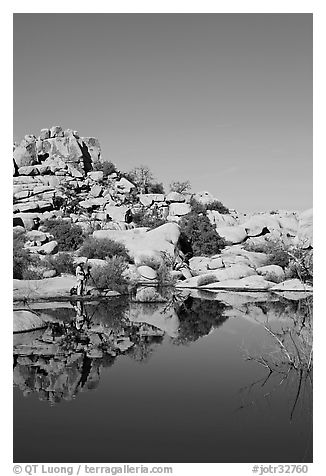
(190, 380)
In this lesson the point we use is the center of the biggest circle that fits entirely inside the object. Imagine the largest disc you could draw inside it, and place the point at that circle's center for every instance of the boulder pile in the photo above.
(61, 175)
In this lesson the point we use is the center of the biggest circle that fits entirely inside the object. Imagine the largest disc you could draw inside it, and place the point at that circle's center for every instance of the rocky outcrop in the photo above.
(43, 289)
(60, 174)
(27, 321)
(146, 248)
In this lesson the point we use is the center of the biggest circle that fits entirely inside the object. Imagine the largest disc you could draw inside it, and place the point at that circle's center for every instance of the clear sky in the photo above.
(224, 100)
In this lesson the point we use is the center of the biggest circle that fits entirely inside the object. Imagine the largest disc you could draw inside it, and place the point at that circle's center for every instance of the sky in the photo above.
(222, 100)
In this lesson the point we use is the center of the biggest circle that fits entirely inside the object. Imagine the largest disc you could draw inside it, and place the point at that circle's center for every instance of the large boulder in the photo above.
(27, 321)
(232, 234)
(65, 148)
(147, 273)
(116, 213)
(236, 271)
(199, 264)
(260, 224)
(97, 176)
(25, 155)
(37, 236)
(49, 273)
(124, 185)
(292, 285)
(219, 219)
(175, 197)
(49, 248)
(145, 247)
(93, 148)
(44, 134)
(250, 282)
(34, 289)
(28, 170)
(56, 131)
(272, 272)
(96, 191)
(236, 254)
(147, 199)
(179, 209)
(288, 221)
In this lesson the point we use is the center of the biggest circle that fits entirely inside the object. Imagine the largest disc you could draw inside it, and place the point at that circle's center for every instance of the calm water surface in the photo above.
(190, 380)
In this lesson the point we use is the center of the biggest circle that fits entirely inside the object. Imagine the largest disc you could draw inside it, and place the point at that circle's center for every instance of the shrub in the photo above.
(111, 275)
(298, 262)
(218, 206)
(164, 276)
(62, 263)
(156, 188)
(102, 249)
(198, 207)
(148, 219)
(106, 167)
(68, 235)
(277, 251)
(180, 187)
(201, 234)
(24, 261)
(301, 264)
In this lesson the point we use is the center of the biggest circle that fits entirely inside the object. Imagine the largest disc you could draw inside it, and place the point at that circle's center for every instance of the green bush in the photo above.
(24, 261)
(218, 206)
(201, 234)
(297, 262)
(156, 188)
(147, 219)
(68, 235)
(277, 251)
(102, 249)
(62, 263)
(198, 207)
(164, 276)
(110, 276)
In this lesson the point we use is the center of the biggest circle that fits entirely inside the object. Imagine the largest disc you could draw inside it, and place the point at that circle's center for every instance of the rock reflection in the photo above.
(80, 340)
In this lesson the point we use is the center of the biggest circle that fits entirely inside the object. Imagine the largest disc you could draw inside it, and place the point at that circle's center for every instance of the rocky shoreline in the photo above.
(61, 176)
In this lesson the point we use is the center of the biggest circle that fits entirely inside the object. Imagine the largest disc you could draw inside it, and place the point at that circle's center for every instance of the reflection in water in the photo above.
(288, 360)
(274, 358)
(68, 356)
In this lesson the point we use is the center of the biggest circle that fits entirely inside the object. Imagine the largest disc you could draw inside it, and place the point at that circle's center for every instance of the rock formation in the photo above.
(60, 174)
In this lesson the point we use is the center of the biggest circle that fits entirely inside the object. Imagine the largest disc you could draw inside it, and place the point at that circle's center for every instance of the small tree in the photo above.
(180, 187)
(142, 177)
